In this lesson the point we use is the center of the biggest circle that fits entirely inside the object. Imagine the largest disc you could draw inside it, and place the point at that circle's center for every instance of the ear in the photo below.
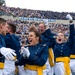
(1, 26)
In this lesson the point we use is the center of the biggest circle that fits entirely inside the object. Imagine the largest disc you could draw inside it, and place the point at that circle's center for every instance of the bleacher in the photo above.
(24, 18)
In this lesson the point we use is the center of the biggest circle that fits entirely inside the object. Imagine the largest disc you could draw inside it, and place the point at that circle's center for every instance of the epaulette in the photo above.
(43, 44)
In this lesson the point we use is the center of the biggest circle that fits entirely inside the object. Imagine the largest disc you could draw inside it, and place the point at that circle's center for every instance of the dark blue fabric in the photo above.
(2, 44)
(13, 42)
(47, 38)
(64, 49)
(38, 55)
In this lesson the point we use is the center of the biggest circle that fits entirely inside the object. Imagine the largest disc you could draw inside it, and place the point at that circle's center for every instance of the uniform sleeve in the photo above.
(21, 61)
(71, 36)
(2, 42)
(50, 38)
(12, 42)
(40, 60)
(48, 34)
(7, 41)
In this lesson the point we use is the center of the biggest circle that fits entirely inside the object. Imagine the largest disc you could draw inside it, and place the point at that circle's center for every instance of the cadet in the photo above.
(4, 52)
(47, 38)
(62, 49)
(12, 41)
(35, 55)
(72, 57)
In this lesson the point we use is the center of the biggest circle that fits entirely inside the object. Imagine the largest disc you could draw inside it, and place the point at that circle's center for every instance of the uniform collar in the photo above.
(34, 45)
(1, 35)
(60, 43)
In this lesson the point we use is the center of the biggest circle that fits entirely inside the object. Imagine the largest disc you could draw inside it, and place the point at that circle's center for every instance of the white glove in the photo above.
(8, 53)
(26, 52)
(69, 17)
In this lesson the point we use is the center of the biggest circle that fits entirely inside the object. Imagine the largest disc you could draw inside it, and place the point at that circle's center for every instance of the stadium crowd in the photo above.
(23, 27)
(34, 13)
(38, 52)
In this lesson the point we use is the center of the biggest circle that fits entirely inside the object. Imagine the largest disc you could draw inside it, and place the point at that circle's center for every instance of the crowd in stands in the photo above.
(23, 28)
(35, 54)
(33, 13)
(56, 28)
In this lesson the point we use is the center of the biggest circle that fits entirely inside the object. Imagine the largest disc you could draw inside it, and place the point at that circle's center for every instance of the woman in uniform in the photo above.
(35, 55)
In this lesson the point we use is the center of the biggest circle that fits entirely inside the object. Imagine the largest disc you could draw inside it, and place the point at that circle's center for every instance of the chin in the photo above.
(31, 43)
(59, 42)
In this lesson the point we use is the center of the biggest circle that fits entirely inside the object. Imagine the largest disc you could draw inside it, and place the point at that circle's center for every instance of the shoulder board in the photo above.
(43, 44)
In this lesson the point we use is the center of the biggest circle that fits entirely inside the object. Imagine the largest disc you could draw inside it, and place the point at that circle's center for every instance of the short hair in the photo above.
(2, 21)
(12, 27)
(43, 24)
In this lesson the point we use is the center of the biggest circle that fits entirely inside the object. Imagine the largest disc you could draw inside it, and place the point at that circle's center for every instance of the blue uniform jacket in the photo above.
(2, 44)
(64, 49)
(38, 55)
(73, 49)
(47, 38)
(12, 41)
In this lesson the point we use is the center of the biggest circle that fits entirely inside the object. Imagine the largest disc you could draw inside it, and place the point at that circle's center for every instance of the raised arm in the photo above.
(71, 28)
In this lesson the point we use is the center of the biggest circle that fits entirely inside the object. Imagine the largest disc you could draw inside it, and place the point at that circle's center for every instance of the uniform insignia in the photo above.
(44, 44)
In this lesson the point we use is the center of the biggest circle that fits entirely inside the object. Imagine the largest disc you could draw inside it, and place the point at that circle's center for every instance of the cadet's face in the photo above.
(41, 28)
(4, 29)
(32, 38)
(8, 29)
(60, 38)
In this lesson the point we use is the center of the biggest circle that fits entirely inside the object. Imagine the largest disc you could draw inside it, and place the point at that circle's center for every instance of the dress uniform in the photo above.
(62, 54)
(12, 41)
(4, 52)
(3, 69)
(47, 38)
(2, 58)
(35, 63)
(72, 58)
